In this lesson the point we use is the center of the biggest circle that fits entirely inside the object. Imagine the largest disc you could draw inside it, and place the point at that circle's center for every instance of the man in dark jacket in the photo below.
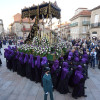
(47, 84)
(99, 57)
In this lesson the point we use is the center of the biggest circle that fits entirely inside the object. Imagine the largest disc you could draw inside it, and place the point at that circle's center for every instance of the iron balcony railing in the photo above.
(74, 24)
(86, 23)
(95, 25)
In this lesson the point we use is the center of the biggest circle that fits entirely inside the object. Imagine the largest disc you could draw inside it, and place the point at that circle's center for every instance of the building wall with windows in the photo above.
(95, 22)
(20, 27)
(80, 24)
(74, 28)
(63, 30)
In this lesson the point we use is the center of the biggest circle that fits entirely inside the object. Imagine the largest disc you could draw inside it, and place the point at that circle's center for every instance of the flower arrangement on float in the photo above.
(43, 48)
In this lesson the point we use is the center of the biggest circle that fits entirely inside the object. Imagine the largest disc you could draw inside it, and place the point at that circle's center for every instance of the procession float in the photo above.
(39, 44)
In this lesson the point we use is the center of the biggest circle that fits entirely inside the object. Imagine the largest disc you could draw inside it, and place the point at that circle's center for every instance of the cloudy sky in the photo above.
(8, 8)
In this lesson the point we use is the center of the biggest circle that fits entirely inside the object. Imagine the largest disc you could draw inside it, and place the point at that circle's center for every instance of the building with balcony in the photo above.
(63, 30)
(20, 27)
(95, 22)
(80, 23)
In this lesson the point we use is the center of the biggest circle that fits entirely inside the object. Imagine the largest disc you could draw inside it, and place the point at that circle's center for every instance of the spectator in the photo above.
(93, 58)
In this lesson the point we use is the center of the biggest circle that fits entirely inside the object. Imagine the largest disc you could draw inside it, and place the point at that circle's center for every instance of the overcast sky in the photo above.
(8, 8)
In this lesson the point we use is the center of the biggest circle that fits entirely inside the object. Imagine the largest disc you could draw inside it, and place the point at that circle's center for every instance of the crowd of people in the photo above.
(92, 48)
(67, 73)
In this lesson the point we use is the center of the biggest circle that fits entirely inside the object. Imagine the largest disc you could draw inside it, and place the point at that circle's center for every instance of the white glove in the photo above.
(46, 93)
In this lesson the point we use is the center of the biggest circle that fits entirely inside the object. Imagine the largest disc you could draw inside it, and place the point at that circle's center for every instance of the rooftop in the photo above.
(82, 13)
(81, 8)
(98, 7)
(17, 18)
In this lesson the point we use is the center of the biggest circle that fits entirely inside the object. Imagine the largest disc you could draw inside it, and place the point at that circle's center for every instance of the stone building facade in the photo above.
(95, 23)
(63, 30)
(80, 23)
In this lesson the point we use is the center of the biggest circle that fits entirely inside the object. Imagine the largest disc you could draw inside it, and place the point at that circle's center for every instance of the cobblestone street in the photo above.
(15, 87)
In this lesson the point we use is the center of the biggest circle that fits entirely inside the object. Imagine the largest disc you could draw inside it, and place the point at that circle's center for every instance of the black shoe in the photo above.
(75, 97)
(69, 92)
(84, 95)
(87, 77)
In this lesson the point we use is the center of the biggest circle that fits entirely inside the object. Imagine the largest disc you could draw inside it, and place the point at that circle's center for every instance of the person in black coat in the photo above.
(99, 57)
(0, 46)
(79, 81)
(64, 79)
(37, 69)
(55, 73)
(30, 68)
(0, 62)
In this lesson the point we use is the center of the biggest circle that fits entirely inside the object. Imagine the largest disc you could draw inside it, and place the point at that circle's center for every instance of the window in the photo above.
(96, 20)
(71, 31)
(85, 19)
(94, 32)
(84, 29)
(0, 22)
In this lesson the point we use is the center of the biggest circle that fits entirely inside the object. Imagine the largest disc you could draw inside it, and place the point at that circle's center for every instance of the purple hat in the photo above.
(64, 73)
(76, 59)
(14, 48)
(79, 67)
(55, 65)
(9, 47)
(85, 56)
(70, 54)
(83, 60)
(61, 58)
(65, 65)
(69, 58)
(44, 60)
(77, 54)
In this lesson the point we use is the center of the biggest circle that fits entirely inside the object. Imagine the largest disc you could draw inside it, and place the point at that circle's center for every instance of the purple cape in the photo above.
(31, 61)
(76, 59)
(37, 62)
(78, 76)
(21, 58)
(26, 58)
(64, 73)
